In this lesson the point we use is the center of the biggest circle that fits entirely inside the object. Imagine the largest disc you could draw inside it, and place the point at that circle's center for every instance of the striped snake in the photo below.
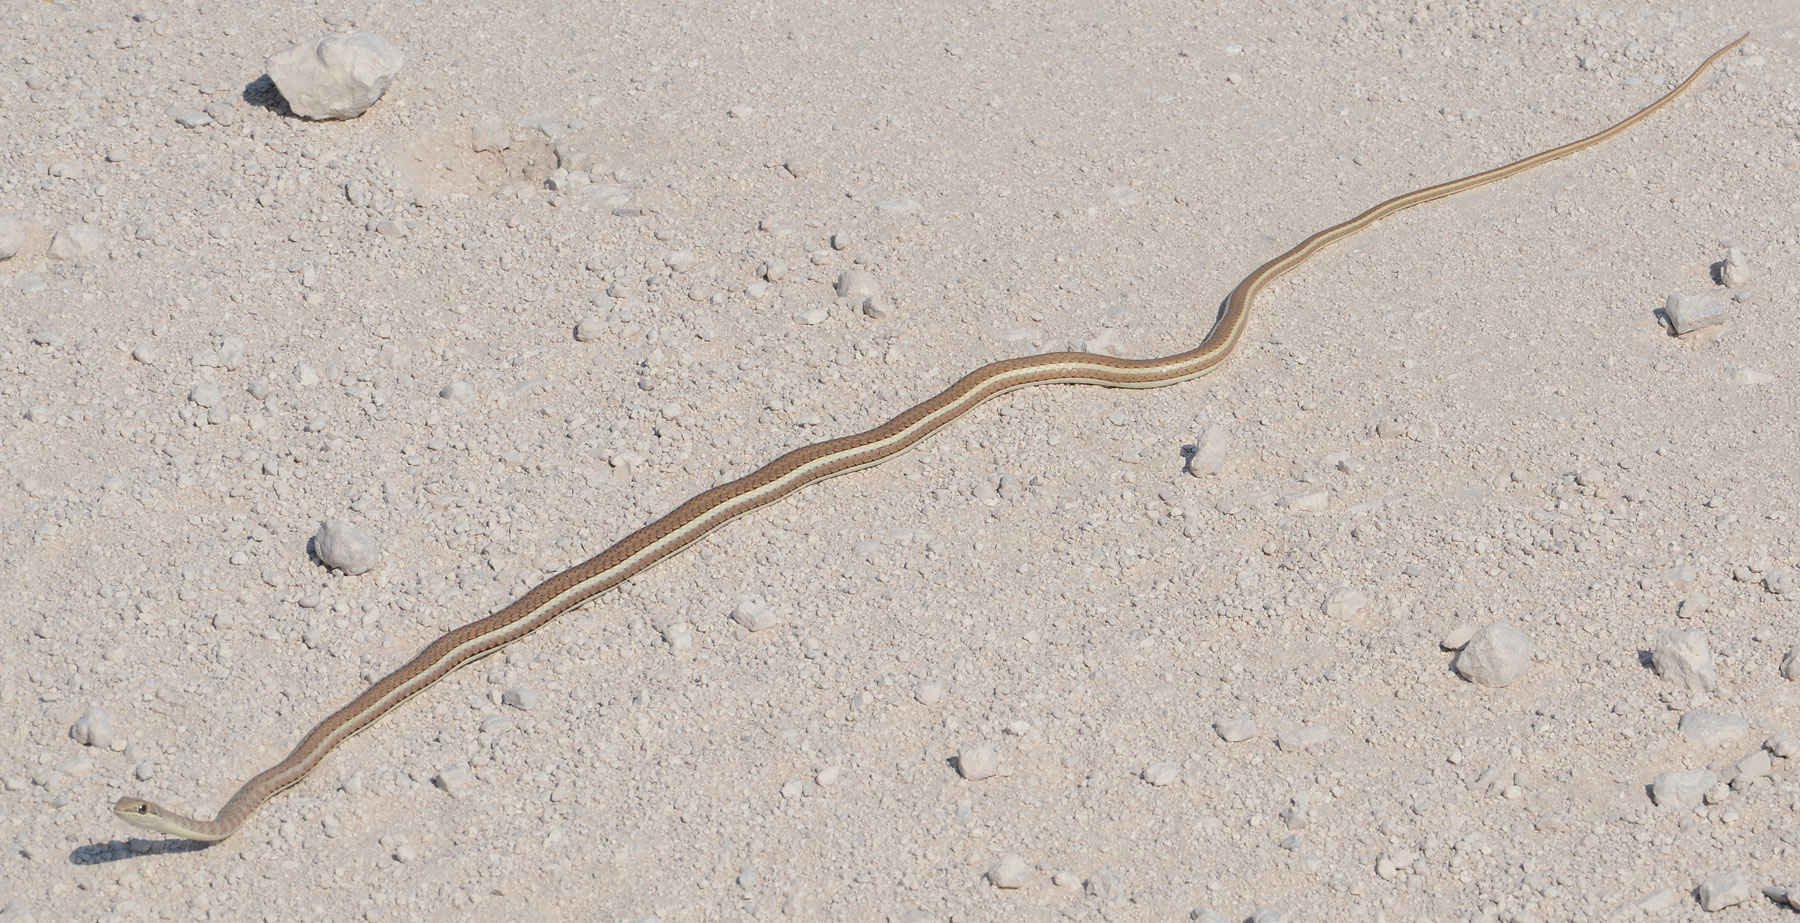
(712, 509)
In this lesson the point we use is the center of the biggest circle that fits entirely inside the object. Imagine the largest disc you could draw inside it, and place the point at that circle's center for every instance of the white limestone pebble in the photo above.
(206, 394)
(1784, 745)
(1726, 889)
(1709, 729)
(458, 392)
(1750, 768)
(754, 615)
(1682, 789)
(678, 636)
(589, 329)
(857, 283)
(12, 235)
(1205, 914)
(523, 698)
(680, 260)
(452, 779)
(774, 269)
(77, 241)
(1735, 270)
(1303, 737)
(929, 693)
(1458, 638)
(93, 729)
(344, 547)
(335, 76)
(1161, 774)
(840, 239)
(1497, 655)
(1103, 885)
(1683, 657)
(978, 762)
(1011, 872)
(1209, 451)
(1688, 313)
(489, 134)
(1233, 730)
(1346, 603)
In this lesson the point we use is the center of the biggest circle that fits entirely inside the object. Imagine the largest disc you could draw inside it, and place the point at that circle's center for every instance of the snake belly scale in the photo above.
(714, 508)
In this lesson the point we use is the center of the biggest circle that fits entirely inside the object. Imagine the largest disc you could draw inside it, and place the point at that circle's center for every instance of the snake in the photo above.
(711, 509)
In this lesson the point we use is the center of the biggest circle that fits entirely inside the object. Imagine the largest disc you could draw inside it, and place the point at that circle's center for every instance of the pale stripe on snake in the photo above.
(687, 523)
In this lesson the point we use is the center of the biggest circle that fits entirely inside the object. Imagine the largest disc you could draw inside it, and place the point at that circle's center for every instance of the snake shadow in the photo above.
(120, 850)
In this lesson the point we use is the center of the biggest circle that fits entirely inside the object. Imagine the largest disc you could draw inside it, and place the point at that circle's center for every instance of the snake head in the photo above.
(138, 812)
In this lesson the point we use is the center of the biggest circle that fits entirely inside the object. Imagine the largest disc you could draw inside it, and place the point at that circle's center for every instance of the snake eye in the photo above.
(143, 809)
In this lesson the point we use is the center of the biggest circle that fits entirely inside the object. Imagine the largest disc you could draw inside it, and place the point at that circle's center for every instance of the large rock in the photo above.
(1496, 655)
(335, 76)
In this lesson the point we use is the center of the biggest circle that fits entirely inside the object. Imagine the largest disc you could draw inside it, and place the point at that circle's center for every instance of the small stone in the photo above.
(458, 392)
(523, 698)
(1688, 313)
(206, 395)
(1161, 774)
(1458, 638)
(840, 239)
(222, 112)
(1784, 745)
(1734, 270)
(12, 235)
(1011, 872)
(1103, 885)
(93, 729)
(344, 547)
(678, 636)
(192, 118)
(335, 76)
(589, 329)
(857, 285)
(1726, 889)
(452, 779)
(1710, 730)
(1497, 655)
(76, 242)
(978, 762)
(1683, 657)
(773, 269)
(929, 693)
(1780, 581)
(680, 260)
(1303, 737)
(1682, 789)
(1752, 767)
(1696, 605)
(1233, 730)
(220, 231)
(755, 615)
(1209, 451)
(1205, 914)
(1346, 603)
(489, 133)
(797, 167)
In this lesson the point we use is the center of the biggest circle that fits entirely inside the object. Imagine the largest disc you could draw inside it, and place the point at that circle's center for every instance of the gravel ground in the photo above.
(1036, 669)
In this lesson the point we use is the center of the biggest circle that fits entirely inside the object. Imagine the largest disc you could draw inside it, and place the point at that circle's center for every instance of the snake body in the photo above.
(713, 508)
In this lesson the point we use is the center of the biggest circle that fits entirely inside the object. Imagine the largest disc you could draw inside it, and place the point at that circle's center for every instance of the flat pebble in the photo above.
(344, 547)
(1709, 729)
(1233, 730)
(1205, 914)
(1346, 603)
(489, 134)
(755, 615)
(1210, 450)
(1103, 885)
(1683, 657)
(679, 636)
(1725, 889)
(929, 693)
(1161, 774)
(1011, 872)
(335, 76)
(452, 779)
(77, 242)
(589, 329)
(1688, 313)
(206, 394)
(978, 762)
(1497, 655)
(523, 698)
(1784, 745)
(93, 729)
(1303, 737)
(458, 392)
(1458, 638)
(1682, 788)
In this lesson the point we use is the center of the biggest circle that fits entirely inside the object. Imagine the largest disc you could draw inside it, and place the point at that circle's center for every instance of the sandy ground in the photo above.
(1469, 414)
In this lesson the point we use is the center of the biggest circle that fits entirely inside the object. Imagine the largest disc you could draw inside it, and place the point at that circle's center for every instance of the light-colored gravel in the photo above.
(579, 263)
